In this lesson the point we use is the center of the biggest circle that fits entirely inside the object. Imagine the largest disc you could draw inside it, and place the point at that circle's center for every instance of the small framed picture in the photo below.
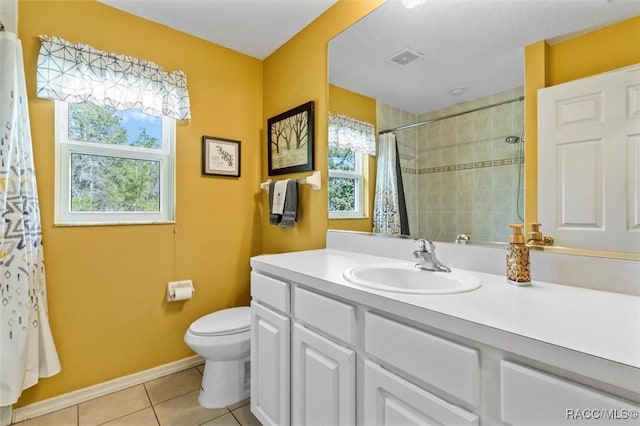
(290, 140)
(220, 157)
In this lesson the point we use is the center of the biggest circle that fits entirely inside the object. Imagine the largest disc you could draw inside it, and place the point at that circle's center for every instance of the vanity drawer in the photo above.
(335, 318)
(270, 291)
(531, 397)
(450, 367)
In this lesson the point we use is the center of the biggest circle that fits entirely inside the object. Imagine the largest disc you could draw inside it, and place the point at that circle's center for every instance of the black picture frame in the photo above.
(220, 156)
(290, 140)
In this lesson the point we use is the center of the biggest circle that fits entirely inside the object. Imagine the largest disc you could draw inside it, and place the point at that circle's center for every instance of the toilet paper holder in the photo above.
(179, 290)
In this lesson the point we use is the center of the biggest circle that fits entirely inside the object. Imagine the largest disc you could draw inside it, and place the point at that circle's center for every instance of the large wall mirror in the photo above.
(447, 79)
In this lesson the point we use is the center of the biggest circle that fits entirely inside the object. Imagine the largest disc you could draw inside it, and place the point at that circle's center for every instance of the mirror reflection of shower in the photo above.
(519, 189)
(460, 176)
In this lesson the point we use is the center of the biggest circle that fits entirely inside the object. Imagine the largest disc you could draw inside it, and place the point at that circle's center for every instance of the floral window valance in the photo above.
(79, 73)
(347, 132)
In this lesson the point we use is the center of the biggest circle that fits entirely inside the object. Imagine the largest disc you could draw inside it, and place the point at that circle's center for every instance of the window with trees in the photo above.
(350, 141)
(345, 183)
(113, 166)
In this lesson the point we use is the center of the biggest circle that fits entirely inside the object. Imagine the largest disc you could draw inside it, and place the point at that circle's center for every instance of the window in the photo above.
(346, 184)
(350, 142)
(113, 166)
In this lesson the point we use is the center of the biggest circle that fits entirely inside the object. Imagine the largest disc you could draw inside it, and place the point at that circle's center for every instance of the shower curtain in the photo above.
(389, 206)
(27, 351)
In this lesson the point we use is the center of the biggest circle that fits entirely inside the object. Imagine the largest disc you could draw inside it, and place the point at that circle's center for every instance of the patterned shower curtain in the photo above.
(27, 351)
(389, 208)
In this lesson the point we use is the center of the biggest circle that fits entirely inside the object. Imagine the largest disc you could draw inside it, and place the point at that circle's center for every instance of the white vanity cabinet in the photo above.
(448, 366)
(303, 371)
(270, 349)
(390, 401)
(323, 380)
(451, 368)
(323, 366)
(530, 397)
(327, 354)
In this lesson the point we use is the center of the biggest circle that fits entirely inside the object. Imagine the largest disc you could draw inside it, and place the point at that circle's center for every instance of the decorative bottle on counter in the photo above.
(518, 267)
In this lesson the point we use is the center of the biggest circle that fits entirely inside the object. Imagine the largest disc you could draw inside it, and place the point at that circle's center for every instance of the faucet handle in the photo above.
(423, 245)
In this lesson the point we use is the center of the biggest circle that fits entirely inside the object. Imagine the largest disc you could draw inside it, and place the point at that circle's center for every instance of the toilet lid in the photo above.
(226, 321)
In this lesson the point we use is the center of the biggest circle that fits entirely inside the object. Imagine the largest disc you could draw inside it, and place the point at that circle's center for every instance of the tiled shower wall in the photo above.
(466, 178)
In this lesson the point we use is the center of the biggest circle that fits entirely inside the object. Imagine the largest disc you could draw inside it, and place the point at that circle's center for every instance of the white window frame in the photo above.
(358, 176)
(65, 147)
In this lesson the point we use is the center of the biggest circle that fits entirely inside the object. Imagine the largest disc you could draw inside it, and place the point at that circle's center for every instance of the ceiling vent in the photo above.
(405, 57)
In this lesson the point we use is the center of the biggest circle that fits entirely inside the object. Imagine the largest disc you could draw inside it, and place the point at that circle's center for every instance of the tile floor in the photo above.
(168, 401)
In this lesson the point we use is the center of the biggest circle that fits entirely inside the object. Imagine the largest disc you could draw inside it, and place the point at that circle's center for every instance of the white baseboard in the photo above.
(5, 415)
(82, 395)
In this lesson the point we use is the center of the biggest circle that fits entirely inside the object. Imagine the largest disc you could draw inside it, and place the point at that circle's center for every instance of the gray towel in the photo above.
(274, 219)
(291, 206)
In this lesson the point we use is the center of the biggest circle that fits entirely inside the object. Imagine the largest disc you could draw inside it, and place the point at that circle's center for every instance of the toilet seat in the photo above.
(224, 322)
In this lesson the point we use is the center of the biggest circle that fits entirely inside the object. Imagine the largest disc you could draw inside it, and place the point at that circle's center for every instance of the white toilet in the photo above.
(223, 340)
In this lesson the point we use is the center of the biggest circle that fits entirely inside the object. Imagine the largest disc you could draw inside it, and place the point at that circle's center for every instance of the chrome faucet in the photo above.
(463, 238)
(427, 259)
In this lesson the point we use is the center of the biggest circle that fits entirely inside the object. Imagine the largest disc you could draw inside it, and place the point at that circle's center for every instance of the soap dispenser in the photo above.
(518, 267)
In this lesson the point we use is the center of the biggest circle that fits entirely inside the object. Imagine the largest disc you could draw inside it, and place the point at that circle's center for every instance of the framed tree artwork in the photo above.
(290, 140)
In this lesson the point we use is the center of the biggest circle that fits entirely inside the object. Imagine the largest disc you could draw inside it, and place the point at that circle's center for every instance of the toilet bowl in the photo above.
(223, 340)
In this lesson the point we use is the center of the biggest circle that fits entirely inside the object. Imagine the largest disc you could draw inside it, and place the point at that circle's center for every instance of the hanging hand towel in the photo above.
(274, 219)
(291, 205)
(279, 196)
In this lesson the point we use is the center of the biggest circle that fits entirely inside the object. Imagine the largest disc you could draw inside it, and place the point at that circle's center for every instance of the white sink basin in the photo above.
(406, 278)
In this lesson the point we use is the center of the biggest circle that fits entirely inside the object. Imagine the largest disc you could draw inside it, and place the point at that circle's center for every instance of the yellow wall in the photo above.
(294, 74)
(107, 284)
(535, 77)
(220, 222)
(363, 108)
(607, 49)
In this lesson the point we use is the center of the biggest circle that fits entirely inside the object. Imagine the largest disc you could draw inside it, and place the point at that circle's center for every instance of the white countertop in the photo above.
(597, 323)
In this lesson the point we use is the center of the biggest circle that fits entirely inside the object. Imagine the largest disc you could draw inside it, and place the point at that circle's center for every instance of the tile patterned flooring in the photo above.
(168, 401)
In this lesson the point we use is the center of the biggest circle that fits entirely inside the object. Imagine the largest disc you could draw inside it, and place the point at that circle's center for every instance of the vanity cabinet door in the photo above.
(391, 401)
(270, 366)
(323, 380)
(530, 398)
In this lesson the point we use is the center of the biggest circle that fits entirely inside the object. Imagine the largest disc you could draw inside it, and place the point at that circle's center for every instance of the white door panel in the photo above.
(633, 179)
(588, 164)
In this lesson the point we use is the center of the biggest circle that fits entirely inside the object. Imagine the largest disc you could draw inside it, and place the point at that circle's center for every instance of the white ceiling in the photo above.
(254, 27)
(475, 44)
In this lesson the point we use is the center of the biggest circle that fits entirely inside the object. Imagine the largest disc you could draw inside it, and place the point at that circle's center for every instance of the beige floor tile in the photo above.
(113, 406)
(244, 416)
(239, 404)
(65, 417)
(145, 417)
(173, 385)
(185, 411)
(226, 420)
